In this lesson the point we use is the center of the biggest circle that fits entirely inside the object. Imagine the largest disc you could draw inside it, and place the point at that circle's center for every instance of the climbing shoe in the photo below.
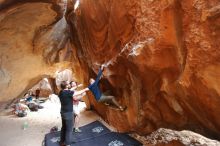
(122, 108)
(77, 130)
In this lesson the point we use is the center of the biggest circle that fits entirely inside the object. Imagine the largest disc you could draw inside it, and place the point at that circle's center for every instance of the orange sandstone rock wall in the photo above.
(162, 60)
(162, 56)
(33, 38)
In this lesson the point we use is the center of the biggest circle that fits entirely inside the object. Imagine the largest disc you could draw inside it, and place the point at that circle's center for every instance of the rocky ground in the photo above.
(39, 123)
(168, 137)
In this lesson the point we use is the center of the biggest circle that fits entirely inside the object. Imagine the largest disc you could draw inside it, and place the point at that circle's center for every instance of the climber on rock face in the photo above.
(99, 96)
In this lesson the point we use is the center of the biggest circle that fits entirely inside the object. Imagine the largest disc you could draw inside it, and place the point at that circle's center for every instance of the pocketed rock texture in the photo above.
(162, 57)
(168, 137)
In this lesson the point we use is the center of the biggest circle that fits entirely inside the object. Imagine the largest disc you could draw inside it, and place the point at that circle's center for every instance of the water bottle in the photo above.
(25, 125)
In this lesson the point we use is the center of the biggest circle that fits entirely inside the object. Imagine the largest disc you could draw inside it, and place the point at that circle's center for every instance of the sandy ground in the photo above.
(39, 123)
(12, 132)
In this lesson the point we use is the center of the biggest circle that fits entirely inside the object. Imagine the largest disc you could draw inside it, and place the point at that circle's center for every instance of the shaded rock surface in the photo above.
(23, 63)
(162, 61)
(162, 57)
